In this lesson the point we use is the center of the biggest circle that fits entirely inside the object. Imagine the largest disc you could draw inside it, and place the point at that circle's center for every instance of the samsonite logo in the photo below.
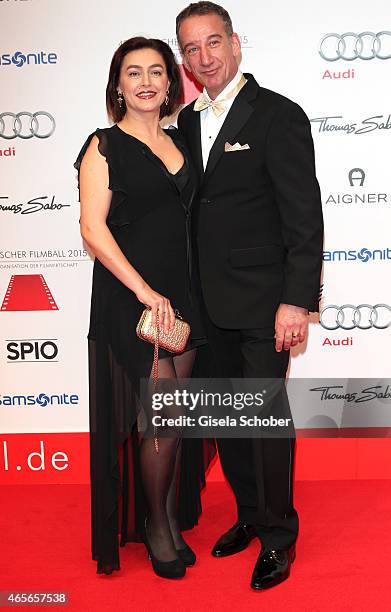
(42, 399)
(20, 59)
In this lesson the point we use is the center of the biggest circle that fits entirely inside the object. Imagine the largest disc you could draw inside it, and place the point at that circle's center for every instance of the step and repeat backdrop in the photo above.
(333, 60)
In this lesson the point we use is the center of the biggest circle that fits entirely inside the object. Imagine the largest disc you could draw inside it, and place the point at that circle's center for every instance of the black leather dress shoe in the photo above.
(234, 540)
(272, 567)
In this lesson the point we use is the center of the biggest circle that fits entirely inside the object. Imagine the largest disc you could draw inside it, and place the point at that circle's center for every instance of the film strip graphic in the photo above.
(28, 292)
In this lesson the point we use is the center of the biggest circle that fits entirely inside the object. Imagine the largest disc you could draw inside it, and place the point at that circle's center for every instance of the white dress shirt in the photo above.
(210, 124)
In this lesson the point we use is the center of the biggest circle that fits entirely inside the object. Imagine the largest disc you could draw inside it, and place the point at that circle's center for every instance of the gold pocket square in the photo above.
(235, 147)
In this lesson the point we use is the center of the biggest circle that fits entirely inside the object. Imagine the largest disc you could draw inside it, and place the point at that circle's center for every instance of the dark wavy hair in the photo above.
(204, 8)
(114, 110)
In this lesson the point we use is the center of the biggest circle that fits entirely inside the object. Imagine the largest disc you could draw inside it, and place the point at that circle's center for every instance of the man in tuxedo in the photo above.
(259, 245)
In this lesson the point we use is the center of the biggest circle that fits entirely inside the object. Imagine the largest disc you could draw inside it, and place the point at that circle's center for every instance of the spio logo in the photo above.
(20, 59)
(356, 177)
(28, 350)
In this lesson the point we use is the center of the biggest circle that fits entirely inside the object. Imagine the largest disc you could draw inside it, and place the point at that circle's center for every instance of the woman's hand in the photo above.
(159, 305)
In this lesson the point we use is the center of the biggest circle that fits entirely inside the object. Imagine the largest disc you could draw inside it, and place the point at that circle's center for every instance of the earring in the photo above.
(120, 98)
(166, 99)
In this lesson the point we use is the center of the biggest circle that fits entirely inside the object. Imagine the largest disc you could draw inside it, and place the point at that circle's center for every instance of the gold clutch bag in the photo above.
(174, 341)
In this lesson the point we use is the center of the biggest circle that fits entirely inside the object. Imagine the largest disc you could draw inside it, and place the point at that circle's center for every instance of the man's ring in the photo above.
(294, 335)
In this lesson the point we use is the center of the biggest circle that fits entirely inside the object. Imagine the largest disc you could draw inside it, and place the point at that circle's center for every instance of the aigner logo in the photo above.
(30, 350)
(356, 178)
(356, 175)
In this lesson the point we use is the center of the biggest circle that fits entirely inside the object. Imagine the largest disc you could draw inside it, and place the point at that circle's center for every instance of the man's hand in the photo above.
(291, 326)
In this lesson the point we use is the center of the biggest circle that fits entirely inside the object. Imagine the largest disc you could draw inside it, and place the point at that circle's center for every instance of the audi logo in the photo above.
(26, 125)
(363, 316)
(351, 46)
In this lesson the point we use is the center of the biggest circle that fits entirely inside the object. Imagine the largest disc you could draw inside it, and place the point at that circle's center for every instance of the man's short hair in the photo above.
(204, 8)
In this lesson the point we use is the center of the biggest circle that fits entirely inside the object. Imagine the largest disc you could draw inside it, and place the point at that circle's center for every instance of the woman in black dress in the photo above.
(136, 190)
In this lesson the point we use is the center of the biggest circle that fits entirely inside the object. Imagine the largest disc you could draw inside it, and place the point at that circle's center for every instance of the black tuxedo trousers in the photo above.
(259, 470)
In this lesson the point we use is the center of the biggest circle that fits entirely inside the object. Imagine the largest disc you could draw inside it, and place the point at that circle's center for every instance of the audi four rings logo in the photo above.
(363, 316)
(351, 46)
(26, 125)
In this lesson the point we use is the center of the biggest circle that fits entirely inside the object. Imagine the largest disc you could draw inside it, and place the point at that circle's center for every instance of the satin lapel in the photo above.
(189, 192)
(195, 144)
(238, 115)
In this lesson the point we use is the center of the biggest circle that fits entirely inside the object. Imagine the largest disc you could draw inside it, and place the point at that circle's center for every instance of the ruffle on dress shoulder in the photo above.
(119, 213)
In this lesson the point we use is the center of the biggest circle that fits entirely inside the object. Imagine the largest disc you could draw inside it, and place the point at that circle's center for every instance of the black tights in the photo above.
(160, 473)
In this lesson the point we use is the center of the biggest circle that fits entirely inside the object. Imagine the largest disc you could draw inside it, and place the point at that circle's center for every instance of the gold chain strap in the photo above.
(155, 373)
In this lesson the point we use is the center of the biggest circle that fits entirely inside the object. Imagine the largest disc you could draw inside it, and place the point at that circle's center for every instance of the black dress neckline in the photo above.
(143, 144)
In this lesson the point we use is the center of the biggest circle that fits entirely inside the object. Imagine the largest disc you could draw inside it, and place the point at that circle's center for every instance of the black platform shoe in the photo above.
(187, 555)
(164, 569)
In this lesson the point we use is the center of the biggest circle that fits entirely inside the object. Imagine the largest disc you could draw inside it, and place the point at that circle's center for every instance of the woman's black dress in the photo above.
(149, 217)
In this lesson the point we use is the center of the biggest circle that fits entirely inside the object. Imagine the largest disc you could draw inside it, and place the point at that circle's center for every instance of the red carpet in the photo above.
(342, 561)
(28, 292)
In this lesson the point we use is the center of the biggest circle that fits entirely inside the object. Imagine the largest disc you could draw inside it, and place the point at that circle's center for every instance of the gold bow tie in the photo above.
(218, 106)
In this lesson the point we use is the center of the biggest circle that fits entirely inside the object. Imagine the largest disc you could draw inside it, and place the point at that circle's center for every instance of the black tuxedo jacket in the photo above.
(258, 214)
